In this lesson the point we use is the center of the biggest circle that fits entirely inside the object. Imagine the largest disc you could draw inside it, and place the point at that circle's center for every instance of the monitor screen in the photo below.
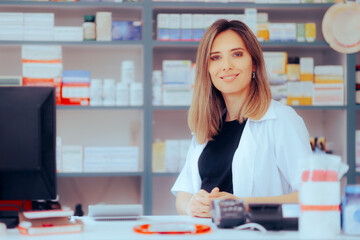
(27, 143)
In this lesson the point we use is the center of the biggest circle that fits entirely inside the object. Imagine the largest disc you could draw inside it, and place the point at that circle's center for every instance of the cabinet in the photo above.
(106, 126)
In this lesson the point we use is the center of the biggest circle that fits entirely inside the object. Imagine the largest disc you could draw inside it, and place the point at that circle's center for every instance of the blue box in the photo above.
(126, 30)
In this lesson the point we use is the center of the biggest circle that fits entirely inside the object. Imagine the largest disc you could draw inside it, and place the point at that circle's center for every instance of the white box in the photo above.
(172, 151)
(124, 159)
(174, 27)
(42, 70)
(198, 26)
(111, 159)
(163, 26)
(251, 19)
(35, 52)
(72, 158)
(38, 33)
(328, 94)
(11, 19)
(103, 26)
(96, 159)
(289, 32)
(45, 20)
(176, 71)
(75, 34)
(10, 33)
(177, 95)
(186, 27)
(329, 70)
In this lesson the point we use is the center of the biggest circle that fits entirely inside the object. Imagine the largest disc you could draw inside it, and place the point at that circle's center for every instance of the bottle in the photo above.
(136, 94)
(293, 69)
(122, 94)
(109, 92)
(89, 28)
(96, 92)
(127, 72)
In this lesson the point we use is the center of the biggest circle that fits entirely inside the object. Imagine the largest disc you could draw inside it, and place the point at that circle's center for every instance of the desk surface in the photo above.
(124, 230)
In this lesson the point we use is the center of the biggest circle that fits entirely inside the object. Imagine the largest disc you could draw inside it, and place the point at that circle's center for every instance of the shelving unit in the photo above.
(337, 123)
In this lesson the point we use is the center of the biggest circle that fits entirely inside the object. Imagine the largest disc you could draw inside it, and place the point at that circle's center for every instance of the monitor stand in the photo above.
(10, 218)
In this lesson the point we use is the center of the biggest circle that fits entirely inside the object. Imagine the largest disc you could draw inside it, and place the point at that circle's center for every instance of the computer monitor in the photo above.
(27, 144)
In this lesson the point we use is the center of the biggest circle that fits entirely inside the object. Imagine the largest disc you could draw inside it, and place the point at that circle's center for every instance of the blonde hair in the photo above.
(205, 113)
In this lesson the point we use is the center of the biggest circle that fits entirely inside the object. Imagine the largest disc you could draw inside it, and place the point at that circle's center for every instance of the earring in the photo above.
(253, 75)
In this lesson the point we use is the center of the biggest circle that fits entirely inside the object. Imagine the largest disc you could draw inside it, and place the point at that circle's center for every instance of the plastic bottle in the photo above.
(89, 28)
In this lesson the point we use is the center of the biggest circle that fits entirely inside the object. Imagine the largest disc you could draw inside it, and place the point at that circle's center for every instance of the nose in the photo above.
(227, 65)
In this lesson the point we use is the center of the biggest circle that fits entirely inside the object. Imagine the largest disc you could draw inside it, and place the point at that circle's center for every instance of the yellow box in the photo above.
(310, 32)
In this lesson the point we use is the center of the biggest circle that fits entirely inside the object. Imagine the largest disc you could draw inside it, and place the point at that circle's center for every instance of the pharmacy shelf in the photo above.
(73, 4)
(165, 108)
(223, 6)
(165, 174)
(319, 107)
(71, 43)
(79, 107)
(101, 174)
(317, 44)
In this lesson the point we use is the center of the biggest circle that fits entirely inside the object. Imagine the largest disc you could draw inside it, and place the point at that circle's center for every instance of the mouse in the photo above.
(2, 229)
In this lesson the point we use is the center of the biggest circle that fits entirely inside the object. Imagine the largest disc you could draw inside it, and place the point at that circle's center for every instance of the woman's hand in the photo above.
(199, 204)
(216, 194)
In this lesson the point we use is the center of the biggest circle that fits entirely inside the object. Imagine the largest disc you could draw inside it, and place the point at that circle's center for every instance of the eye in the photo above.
(214, 57)
(238, 54)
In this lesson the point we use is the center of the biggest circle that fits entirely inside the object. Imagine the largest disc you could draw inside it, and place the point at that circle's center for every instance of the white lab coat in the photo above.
(268, 161)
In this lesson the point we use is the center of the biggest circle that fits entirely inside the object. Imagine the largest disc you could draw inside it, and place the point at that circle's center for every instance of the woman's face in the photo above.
(230, 64)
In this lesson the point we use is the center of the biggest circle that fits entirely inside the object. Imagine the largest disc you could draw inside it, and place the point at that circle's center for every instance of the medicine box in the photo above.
(126, 30)
(72, 158)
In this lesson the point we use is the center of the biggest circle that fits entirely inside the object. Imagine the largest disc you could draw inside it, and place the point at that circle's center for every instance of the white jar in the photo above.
(96, 92)
(109, 92)
(122, 94)
(136, 94)
(127, 71)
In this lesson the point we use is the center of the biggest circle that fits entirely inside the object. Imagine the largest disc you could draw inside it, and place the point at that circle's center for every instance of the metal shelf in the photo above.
(70, 43)
(221, 6)
(165, 174)
(102, 174)
(79, 107)
(268, 44)
(72, 4)
(319, 107)
(166, 108)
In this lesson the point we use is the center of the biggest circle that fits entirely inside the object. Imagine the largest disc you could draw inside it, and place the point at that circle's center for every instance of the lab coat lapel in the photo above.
(243, 163)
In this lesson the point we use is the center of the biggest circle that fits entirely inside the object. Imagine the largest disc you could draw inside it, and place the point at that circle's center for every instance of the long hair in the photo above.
(205, 113)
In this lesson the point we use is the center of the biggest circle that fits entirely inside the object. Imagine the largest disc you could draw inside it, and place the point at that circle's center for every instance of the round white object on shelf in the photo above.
(341, 27)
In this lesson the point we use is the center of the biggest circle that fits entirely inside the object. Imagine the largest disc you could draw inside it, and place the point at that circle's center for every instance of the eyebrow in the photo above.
(234, 49)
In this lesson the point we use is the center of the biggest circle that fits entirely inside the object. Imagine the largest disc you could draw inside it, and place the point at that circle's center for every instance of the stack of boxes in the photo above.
(11, 26)
(76, 158)
(295, 80)
(177, 82)
(328, 85)
(191, 27)
(76, 87)
(42, 66)
(169, 155)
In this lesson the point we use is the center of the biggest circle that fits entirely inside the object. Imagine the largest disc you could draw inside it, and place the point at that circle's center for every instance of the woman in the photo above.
(245, 145)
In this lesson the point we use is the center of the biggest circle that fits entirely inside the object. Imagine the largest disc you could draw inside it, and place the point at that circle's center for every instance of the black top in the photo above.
(215, 162)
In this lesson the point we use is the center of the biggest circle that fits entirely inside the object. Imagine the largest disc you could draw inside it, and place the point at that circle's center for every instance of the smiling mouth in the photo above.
(229, 78)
